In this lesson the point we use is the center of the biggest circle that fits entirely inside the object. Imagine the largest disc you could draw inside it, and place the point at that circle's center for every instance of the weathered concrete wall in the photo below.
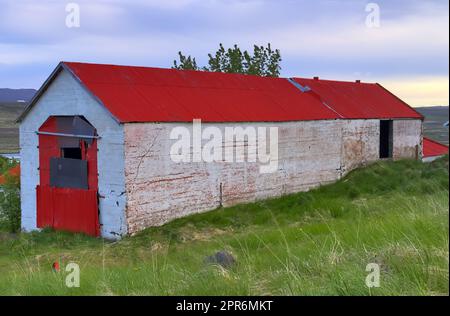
(66, 97)
(360, 143)
(407, 139)
(311, 153)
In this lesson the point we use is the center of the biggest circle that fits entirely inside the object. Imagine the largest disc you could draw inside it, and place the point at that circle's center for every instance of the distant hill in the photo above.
(9, 130)
(15, 95)
(435, 118)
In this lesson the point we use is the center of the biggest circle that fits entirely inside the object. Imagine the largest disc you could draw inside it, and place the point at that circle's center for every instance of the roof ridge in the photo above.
(172, 69)
(334, 80)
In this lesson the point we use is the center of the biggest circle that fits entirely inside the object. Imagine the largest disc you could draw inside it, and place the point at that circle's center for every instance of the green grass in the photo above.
(394, 214)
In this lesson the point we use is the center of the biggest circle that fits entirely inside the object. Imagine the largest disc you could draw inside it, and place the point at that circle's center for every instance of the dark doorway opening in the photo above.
(386, 139)
(71, 152)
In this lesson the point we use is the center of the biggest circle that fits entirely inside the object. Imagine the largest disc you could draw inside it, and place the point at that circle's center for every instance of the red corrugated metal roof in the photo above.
(432, 148)
(142, 94)
(354, 100)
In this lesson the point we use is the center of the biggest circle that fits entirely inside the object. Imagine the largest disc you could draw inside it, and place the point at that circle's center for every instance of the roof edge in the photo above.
(335, 80)
(435, 141)
(77, 79)
(409, 106)
(39, 93)
(61, 66)
(441, 147)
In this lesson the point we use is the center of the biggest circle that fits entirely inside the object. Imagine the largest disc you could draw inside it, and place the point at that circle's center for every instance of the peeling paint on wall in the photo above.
(407, 139)
(311, 153)
(360, 143)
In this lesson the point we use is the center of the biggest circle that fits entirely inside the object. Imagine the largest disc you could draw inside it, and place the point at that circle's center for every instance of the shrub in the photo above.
(10, 204)
(6, 164)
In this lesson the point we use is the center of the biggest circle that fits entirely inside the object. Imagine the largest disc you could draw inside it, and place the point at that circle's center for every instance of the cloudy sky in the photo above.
(408, 53)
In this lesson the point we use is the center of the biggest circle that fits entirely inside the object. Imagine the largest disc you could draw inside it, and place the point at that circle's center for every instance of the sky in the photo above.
(405, 47)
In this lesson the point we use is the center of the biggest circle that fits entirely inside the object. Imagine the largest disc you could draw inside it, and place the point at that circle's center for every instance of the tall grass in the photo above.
(394, 214)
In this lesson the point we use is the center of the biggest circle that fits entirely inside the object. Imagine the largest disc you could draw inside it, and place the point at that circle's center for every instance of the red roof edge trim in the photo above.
(432, 148)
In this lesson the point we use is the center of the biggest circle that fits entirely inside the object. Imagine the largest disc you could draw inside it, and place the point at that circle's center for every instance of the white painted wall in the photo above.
(431, 158)
(66, 96)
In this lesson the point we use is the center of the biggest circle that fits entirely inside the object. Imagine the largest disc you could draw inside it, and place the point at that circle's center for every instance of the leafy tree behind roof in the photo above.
(263, 62)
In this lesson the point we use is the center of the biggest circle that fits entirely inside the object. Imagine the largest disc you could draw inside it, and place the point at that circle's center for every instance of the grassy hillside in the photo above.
(13, 95)
(394, 214)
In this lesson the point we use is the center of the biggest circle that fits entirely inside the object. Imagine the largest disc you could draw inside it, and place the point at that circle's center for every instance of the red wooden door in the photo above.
(72, 210)
(66, 208)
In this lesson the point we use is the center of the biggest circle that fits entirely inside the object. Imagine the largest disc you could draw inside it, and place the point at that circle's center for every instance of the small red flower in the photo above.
(55, 266)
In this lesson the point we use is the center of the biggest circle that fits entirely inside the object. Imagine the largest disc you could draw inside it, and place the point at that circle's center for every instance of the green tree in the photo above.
(185, 63)
(264, 61)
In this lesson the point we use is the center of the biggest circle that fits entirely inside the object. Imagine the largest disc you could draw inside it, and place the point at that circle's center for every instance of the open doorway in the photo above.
(386, 138)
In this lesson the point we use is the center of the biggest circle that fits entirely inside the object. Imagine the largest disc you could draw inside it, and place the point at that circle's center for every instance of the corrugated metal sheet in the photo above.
(140, 94)
(356, 100)
(68, 209)
(432, 148)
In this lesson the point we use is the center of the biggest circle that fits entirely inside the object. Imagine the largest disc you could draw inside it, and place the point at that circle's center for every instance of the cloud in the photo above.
(95, 49)
(420, 91)
(342, 35)
(327, 38)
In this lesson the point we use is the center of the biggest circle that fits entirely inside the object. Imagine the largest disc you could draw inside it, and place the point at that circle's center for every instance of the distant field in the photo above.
(435, 117)
(9, 131)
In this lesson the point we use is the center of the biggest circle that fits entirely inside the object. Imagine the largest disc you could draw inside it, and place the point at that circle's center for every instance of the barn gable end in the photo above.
(65, 96)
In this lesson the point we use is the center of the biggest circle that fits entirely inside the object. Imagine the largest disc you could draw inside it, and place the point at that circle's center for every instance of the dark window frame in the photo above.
(72, 152)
